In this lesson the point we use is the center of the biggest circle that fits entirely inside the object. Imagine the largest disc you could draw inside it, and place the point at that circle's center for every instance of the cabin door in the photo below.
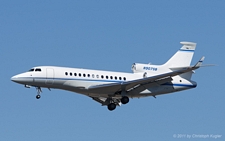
(49, 76)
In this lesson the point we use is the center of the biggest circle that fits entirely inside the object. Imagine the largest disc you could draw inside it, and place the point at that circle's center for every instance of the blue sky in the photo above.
(110, 35)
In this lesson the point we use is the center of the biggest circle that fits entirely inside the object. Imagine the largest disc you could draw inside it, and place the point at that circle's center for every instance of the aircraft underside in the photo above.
(111, 100)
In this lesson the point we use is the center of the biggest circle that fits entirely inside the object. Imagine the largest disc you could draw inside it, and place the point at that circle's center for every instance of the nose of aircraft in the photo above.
(18, 79)
(23, 78)
(14, 78)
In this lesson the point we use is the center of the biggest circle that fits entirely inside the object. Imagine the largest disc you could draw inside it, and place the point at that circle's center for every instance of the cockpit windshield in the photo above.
(31, 69)
(37, 69)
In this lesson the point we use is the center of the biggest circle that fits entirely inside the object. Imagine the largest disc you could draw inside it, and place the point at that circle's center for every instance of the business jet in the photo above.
(113, 89)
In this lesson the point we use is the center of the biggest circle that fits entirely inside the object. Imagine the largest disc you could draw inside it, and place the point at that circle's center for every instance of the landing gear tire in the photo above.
(38, 96)
(112, 106)
(124, 100)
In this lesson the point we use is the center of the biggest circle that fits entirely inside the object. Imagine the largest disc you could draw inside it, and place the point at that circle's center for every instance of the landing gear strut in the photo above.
(38, 96)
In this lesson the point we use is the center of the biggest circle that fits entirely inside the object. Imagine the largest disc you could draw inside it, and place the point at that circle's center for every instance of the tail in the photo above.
(183, 57)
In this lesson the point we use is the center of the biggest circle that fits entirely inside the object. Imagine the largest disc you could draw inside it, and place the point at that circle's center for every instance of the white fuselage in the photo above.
(79, 80)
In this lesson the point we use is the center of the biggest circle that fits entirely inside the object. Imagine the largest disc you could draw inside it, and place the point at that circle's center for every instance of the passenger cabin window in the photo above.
(87, 75)
(37, 69)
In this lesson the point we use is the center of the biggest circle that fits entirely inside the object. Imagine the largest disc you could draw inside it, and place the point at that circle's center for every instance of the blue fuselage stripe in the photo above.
(187, 50)
(181, 85)
(118, 81)
(72, 79)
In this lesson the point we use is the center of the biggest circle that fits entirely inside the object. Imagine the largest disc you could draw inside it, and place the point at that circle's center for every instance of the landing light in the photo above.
(27, 86)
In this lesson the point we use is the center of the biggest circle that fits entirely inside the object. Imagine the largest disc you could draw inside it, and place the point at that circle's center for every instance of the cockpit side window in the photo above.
(37, 69)
(31, 69)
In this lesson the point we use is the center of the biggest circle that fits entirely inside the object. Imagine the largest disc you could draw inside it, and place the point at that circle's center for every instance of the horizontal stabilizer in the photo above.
(197, 65)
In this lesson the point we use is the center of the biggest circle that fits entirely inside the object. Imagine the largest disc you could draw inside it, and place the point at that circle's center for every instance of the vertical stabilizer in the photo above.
(183, 57)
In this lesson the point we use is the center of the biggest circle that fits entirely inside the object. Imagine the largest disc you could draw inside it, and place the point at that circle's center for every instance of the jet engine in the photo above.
(138, 67)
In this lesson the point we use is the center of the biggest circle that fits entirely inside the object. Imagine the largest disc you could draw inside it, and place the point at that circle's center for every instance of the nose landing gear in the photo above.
(38, 96)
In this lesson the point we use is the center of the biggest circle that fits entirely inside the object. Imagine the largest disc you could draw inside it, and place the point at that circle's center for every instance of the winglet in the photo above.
(199, 63)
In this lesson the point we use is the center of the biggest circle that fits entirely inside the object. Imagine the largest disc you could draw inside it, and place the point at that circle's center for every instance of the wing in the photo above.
(142, 84)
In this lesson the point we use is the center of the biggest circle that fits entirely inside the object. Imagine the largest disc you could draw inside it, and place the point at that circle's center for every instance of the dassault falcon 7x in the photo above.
(113, 89)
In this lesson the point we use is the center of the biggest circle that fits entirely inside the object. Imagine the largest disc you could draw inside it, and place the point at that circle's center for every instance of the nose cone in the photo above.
(21, 78)
(15, 78)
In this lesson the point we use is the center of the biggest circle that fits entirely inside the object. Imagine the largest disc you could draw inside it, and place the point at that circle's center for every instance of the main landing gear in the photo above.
(124, 100)
(112, 104)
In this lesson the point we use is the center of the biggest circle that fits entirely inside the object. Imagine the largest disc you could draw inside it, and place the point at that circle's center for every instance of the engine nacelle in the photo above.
(137, 67)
